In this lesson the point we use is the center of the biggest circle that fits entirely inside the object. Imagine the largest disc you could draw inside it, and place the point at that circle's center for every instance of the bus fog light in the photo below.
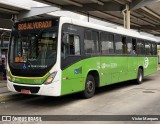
(50, 78)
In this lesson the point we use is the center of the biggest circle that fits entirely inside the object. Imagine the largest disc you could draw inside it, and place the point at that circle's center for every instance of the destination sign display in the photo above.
(34, 25)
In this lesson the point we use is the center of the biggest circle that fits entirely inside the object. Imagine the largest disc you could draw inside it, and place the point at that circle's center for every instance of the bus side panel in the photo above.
(72, 79)
(114, 69)
(74, 76)
(132, 67)
(123, 68)
(151, 65)
(141, 62)
(106, 71)
(114, 65)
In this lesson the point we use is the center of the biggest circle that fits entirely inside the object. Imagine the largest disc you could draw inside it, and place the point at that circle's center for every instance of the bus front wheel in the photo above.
(139, 76)
(89, 87)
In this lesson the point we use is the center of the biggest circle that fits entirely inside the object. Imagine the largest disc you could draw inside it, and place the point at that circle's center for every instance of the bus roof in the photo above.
(117, 30)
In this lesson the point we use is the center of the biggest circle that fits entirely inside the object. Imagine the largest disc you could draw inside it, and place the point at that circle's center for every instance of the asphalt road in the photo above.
(124, 98)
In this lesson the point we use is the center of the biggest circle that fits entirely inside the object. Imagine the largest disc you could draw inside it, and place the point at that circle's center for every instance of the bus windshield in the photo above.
(33, 51)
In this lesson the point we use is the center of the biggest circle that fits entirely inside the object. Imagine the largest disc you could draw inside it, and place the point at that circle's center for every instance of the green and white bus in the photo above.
(59, 56)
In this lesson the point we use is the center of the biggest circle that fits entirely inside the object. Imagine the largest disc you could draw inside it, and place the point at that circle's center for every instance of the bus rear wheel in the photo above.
(89, 87)
(139, 76)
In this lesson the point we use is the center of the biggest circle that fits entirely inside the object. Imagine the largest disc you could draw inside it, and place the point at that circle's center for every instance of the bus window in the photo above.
(91, 45)
(129, 45)
(154, 48)
(72, 47)
(118, 44)
(107, 43)
(134, 46)
(140, 47)
(124, 45)
(148, 48)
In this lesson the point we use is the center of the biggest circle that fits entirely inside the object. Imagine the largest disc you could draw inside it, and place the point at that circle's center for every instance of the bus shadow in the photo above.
(120, 85)
(49, 101)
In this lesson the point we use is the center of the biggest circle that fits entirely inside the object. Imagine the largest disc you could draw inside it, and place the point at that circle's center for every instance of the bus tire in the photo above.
(139, 76)
(89, 87)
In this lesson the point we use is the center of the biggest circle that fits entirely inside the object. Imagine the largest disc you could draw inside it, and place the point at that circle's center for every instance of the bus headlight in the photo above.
(50, 78)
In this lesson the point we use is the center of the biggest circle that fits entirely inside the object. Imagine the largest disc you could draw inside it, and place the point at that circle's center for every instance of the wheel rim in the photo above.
(90, 86)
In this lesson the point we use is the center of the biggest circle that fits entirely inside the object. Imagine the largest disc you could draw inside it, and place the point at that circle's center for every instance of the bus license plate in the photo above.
(25, 91)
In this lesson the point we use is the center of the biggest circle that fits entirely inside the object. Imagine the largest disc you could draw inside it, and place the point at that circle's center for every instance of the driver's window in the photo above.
(72, 46)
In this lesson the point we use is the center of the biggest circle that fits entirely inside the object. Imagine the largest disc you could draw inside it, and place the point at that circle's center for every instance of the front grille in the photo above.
(29, 73)
(32, 89)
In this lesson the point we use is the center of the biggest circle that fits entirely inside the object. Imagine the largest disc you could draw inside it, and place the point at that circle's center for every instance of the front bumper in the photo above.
(52, 89)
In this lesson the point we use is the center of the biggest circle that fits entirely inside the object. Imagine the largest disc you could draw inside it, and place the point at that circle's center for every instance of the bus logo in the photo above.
(146, 62)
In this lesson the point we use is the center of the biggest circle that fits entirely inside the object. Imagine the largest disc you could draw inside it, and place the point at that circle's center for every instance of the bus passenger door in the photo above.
(132, 58)
(71, 64)
(107, 58)
(123, 61)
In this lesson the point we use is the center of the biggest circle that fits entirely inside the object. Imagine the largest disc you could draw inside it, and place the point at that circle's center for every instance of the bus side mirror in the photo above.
(65, 39)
